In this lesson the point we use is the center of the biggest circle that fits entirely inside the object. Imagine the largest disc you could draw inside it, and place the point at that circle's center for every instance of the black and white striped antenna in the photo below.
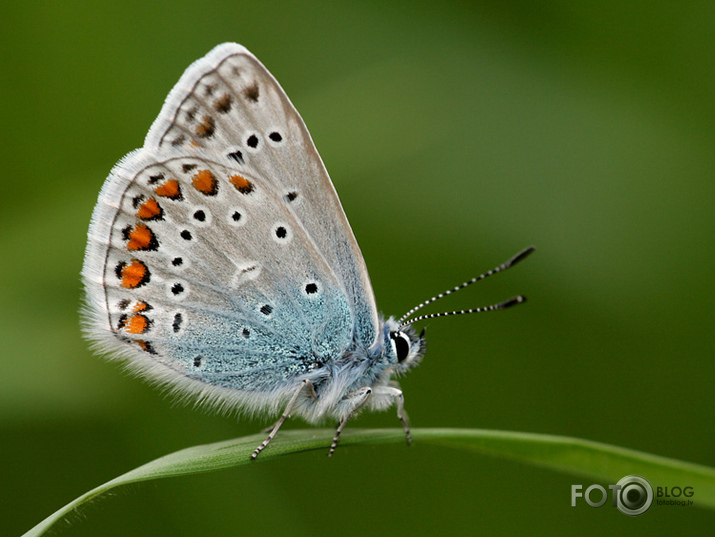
(500, 306)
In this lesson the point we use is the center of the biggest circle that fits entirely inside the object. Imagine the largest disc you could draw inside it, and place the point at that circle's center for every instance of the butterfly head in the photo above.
(406, 347)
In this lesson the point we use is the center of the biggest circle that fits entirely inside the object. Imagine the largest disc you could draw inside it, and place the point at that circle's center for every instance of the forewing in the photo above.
(230, 103)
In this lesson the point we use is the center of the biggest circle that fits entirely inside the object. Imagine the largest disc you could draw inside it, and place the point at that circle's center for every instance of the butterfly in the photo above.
(220, 263)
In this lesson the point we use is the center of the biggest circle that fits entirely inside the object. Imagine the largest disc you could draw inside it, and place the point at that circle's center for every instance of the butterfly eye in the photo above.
(402, 345)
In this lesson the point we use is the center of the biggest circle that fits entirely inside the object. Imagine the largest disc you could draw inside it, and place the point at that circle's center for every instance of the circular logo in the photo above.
(635, 495)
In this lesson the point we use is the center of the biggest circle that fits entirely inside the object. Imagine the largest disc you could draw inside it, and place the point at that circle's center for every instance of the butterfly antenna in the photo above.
(519, 299)
(502, 305)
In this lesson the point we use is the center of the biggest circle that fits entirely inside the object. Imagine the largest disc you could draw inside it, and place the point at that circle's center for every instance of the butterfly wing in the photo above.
(219, 257)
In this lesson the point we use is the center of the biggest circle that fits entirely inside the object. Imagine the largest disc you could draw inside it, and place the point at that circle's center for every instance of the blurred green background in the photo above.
(456, 133)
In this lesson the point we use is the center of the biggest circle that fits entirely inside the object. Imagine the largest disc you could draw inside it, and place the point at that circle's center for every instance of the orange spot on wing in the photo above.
(146, 346)
(137, 324)
(205, 182)
(206, 127)
(149, 210)
(134, 274)
(140, 306)
(141, 238)
(169, 189)
(243, 185)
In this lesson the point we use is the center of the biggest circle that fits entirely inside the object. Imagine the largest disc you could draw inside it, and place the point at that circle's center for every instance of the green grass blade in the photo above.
(574, 456)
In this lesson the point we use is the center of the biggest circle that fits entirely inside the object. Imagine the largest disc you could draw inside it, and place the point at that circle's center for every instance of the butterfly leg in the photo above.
(268, 429)
(311, 393)
(356, 399)
(395, 394)
(306, 384)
